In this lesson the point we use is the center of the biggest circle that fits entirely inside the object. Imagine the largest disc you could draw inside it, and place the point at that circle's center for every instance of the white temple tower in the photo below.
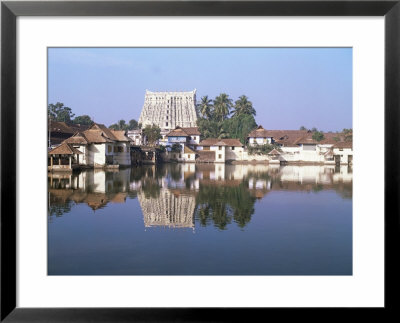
(169, 109)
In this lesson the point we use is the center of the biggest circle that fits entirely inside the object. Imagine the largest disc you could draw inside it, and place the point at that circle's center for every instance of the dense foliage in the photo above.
(263, 149)
(152, 134)
(122, 125)
(318, 135)
(215, 123)
(220, 205)
(83, 120)
(60, 112)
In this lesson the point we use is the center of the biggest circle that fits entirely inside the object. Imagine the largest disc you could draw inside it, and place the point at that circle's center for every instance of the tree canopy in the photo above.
(60, 112)
(152, 133)
(243, 106)
(222, 106)
(122, 125)
(318, 136)
(215, 122)
(205, 107)
(83, 120)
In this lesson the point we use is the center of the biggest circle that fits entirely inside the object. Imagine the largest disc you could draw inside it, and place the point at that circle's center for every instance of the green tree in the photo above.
(205, 107)
(318, 136)
(176, 148)
(303, 128)
(133, 124)
(222, 106)
(348, 134)
(239, 126)
(209, 128)
(83, 120)
(59, 112)
(122, 124)
(152, 133)
(314, 129)
(114, 126)
(243, 106)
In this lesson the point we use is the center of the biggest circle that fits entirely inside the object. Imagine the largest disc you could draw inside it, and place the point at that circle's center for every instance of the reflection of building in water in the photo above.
(95, 188)
(299, 178)
(173, 208)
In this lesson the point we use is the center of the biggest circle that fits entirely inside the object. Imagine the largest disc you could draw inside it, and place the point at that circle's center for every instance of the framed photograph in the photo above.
(182, 160)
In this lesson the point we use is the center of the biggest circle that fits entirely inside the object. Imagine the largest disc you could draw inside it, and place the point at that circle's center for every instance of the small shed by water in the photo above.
(63, 158)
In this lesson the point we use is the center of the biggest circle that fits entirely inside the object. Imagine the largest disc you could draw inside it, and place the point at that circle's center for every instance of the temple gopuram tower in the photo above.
(169, 109)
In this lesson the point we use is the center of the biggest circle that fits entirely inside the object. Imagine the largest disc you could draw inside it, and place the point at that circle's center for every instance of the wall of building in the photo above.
(122, 158)
(259, 141)
(234, 154)
(344, 154)
(219, 153)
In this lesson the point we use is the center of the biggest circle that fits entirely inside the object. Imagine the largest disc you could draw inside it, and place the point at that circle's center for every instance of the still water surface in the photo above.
(187, 219)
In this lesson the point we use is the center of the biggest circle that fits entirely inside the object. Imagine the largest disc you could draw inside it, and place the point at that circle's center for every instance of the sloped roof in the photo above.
(97, 136)
(120, 135)
(184, 132)
(274, 152)
(64, 149)
(187, 150)
(343, 144)
(57, 126)
(77, 138)
(97, 133)
(107, 132)
(295, 137)
(192, 131)
(221, 142)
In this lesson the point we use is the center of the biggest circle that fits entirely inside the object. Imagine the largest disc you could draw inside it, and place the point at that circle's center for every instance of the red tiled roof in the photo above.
(187, 150)
(343, 144)
(64, 149)
(77, 138)
(62, 127)
(295, 137)
(220, 142)
(184, 132)
(274, 152)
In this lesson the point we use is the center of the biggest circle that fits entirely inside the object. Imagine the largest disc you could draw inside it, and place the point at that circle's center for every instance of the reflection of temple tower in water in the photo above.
(168, 210)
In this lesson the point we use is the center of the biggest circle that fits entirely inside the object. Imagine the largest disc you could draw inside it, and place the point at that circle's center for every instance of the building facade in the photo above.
(169, 110)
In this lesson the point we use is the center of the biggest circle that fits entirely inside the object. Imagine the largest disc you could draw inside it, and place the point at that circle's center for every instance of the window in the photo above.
(180, 155)
(219, 147)
(233, 147)
(109, 148)
(167, 117)
(120, 149)
(194, 138)
(166, 124)
(188, 156)
(219, 156)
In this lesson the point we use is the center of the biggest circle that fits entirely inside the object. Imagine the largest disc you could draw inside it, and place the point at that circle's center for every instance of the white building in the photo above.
(101, 146)
(168, 110)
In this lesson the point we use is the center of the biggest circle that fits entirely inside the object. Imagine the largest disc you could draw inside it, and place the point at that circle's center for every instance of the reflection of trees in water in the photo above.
(222, 204)
(151, 188)
(59, 209)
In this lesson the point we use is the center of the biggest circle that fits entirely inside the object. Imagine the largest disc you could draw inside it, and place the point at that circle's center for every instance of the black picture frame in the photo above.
(10, 10)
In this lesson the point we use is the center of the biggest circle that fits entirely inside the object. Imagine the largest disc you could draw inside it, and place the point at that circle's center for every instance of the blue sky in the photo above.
(289, 87)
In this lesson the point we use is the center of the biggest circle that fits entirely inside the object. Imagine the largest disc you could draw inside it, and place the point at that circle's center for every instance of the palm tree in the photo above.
(205, 107)
(222, 106)
(243, 106)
